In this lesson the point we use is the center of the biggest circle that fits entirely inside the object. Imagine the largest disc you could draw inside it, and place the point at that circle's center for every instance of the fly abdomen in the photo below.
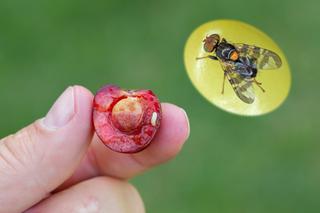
(247, 68)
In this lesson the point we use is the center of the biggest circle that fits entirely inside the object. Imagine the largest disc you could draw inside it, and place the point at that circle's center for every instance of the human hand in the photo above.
(57, 164)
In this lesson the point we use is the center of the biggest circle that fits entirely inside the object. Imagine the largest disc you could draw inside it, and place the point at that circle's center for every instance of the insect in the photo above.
(240, 63)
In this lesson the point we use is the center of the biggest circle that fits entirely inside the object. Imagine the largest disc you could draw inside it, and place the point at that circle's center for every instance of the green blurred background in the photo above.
(230, 163)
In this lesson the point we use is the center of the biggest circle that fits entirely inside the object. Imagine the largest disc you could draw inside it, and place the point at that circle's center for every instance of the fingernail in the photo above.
(187, 121)
(62, 110)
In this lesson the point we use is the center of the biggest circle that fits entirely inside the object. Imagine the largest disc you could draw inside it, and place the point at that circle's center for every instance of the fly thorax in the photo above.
(227, 52)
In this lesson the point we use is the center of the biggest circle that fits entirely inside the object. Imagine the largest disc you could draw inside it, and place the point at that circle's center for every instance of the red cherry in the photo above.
(126, 120)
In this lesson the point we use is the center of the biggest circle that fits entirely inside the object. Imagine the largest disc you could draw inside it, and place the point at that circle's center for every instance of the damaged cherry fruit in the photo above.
(126, 120)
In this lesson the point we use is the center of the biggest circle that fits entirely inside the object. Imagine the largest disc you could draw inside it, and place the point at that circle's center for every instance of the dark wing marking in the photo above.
(265, 59)
(241, 86)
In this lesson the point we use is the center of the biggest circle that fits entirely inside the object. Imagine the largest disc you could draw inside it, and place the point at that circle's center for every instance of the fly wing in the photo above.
(265, 59)
(241, 86)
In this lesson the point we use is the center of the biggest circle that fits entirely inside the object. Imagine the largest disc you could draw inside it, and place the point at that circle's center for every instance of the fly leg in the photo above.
(224, 79)
(258, 84)
(208, 56)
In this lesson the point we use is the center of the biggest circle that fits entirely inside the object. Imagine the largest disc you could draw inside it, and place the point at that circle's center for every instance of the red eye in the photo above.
(208, 46)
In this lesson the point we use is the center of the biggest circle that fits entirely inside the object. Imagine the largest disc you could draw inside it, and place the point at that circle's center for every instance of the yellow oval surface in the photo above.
(207, 75)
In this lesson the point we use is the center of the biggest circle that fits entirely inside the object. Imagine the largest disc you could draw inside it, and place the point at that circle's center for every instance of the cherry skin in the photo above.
(126, 120)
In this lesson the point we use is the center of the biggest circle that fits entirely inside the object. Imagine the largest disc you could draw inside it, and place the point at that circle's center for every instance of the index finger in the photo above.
(100, 160)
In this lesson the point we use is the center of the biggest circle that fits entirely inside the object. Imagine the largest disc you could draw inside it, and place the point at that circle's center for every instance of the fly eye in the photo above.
(208, 47)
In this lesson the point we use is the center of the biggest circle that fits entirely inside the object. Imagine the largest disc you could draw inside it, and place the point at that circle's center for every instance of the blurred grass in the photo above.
(230, 163)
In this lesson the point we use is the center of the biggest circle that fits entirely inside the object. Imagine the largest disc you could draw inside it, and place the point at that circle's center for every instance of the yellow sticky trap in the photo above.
(207, 75)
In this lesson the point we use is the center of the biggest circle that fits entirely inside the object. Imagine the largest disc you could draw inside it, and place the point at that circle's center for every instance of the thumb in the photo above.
(38, 158)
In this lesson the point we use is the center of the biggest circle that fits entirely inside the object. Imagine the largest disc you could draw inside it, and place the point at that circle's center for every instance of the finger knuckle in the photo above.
(16, 149)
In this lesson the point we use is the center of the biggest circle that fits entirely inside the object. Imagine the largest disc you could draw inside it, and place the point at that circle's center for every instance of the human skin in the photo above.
(57, 164)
